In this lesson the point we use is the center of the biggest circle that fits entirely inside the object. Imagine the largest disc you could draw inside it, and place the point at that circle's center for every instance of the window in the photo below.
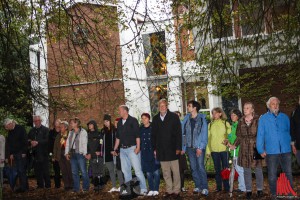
(157, 93)
(221, 18)
(155, 53)
(251, 16)
(283, 11)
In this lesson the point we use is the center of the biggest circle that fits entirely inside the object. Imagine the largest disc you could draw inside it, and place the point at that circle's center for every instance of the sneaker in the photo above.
(204, 192)
(155, 193)
(150, 193)
(143, 192)
(183, 189)
(118, 189)
(196, 191)
(113, 190)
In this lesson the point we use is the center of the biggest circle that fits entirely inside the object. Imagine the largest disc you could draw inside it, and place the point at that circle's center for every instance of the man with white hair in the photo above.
(16, 148)
(273, 142)
(38, 137)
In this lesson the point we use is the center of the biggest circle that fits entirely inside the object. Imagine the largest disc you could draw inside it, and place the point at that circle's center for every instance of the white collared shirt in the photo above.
(162, 117)
(123, 121)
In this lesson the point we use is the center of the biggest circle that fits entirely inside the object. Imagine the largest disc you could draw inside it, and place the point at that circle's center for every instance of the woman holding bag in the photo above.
(246, 138)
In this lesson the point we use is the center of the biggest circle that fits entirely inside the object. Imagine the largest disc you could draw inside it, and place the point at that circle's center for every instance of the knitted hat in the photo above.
(107, 117)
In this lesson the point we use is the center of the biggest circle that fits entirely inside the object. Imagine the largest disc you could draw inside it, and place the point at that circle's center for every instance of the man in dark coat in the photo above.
(295, 132)
(16, 148)
(167, 145)
(38, 137)
(52, 135)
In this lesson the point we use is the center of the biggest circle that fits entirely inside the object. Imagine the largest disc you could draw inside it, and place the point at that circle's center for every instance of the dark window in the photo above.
(251, 16)
(155, 53)
(221, 18)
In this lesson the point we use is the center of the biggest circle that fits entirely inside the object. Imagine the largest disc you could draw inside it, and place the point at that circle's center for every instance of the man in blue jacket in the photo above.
(274, 142)
(195, 138)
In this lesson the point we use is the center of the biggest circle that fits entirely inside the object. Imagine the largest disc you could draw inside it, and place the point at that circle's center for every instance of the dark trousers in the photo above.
(65, 167)
(41, 171)
(182, 167)
(285, 161)
(220, 160)
(21, 170)
(56, 170)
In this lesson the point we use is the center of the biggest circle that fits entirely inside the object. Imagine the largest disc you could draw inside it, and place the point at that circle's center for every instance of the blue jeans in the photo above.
(220, 160)
(78, 162)
(130, 159)
(153, 180)
(198, 168)
(285, 161)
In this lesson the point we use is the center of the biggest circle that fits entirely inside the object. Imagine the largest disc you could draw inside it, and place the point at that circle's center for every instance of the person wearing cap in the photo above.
(109, 137)
(59, 155)
(128, 138)
(149, 163)
(96, 152)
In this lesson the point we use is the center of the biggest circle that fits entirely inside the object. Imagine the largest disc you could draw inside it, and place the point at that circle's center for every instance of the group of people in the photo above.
(159, 145)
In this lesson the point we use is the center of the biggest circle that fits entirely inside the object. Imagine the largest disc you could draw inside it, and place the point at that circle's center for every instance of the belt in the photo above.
(126, 146)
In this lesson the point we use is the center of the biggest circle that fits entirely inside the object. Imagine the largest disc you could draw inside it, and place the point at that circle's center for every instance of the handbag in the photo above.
(72, 151)
(256, 155)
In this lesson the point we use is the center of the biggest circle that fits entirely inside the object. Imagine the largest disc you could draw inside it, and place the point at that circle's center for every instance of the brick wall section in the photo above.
(84, 64)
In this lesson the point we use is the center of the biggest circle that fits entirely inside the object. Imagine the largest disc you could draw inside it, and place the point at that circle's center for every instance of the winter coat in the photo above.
(273, 136)
(41, 135)
(218, 131)
(246, 138)
(59, 148)
(95, 141)
(109, 139)
(295, 127)
(166, 136)
(200, 134)
(16, 141)
(148, 161)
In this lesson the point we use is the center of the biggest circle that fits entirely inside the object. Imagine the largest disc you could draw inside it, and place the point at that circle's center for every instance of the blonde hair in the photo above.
(220, 110)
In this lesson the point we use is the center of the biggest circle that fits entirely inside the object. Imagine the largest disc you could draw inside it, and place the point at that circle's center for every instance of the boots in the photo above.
(248, 195)
(260, 193)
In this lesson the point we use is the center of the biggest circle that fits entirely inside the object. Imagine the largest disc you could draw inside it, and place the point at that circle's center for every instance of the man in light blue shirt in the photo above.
(274, 142)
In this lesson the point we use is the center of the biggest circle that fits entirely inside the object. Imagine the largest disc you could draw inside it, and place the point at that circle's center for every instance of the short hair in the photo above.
(146, 115)
(37, 116)
(271, 99)
(8, 121)
(195, 104)
(163, 101)
(220, 110)
(124, 107)
(76, 120)
(65, 123)
(178, 113)
(237, 112)
(57, 121)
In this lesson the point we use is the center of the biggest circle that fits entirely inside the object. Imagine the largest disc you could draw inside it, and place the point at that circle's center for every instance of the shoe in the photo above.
(175, 196)
(183, 190)
(273, 197)
(204, 192)
(196, 191)
(218, 190)
(260, 193)
(248, 195)
(167, 195)
(118, 189)
(113, 190)
(143, 192)
(155, 193)
(150, 193)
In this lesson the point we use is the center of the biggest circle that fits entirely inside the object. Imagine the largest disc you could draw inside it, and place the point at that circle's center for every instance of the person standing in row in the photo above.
(246, 138)
(52, 135)
(182, 160)
(59, 155)
(95, 151)
(109, 137)
(128, 137)
(38, 137)
(195, 141)
(149, 163)
(76, 152)
(16, 148)
(295, 131)
(218, 131)
(235, 116)
(273, 142)
(167, 145)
